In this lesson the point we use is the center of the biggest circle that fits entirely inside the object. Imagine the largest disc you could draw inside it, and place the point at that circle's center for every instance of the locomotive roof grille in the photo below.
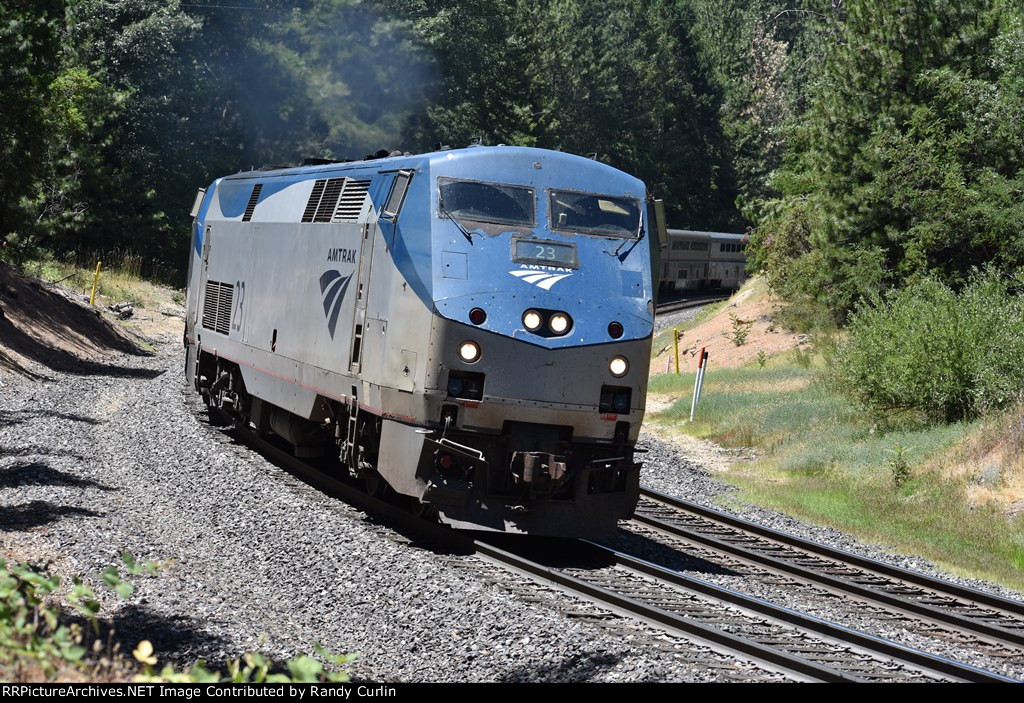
(314, 200)
(336, 200)
(251, 206)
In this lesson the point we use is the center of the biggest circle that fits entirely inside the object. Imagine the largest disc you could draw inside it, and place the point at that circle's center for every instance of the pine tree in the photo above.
(844, 181)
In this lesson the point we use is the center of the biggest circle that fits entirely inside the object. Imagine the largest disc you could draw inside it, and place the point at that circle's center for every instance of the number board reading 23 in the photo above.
(542, 251)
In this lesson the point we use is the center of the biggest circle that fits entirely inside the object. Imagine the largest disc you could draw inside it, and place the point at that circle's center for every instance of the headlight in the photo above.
(532, 320)
(618, 366)
(469, 352)
(559, 323)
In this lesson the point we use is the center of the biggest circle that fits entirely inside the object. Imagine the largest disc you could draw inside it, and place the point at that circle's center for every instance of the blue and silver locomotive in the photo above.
(469, 328)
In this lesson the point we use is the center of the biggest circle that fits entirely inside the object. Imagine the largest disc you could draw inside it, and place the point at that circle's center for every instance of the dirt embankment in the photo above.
(749, 312)
(47, 328)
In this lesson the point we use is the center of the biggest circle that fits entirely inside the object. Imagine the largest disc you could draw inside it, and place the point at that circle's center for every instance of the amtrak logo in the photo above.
(332, 288)
(541, 278)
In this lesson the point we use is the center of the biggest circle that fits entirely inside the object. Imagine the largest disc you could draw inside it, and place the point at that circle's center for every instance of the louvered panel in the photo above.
(217, 306)
(314, 200)
(210, 305)
(227, 294)
(351, 202)
(329, 201)
(253, 199)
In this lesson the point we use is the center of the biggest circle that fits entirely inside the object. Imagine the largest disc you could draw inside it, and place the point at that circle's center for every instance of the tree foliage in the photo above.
(869, 144)
(621, 80)
(118, 110)
(907, 161)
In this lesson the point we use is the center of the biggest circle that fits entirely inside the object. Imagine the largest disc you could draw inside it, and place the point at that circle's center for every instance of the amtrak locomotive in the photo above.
(469, 328)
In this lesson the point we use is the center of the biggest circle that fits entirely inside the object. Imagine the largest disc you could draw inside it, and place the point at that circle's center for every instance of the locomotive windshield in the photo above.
(589, 213)
(475, 201)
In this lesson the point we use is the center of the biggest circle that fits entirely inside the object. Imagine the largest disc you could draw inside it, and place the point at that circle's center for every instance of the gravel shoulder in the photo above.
(252, 559)
(116, 455)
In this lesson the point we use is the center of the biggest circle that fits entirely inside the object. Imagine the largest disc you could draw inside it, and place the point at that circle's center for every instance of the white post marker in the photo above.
(703, 372)
(696, 382)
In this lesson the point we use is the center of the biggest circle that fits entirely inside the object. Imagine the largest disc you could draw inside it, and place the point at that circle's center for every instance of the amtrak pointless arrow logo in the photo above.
(540, 278)
(332, 288)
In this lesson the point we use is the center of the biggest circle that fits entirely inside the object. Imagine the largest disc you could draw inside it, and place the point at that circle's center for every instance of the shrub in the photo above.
(899, 465)
(740, 330)
(926, 348)
(39, 641)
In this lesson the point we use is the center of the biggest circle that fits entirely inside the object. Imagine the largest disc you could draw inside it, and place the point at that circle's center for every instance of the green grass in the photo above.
(120, 278)
(827, 461)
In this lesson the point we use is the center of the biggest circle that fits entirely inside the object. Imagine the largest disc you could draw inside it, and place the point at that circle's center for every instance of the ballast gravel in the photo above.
(251, 559)
(684, 472)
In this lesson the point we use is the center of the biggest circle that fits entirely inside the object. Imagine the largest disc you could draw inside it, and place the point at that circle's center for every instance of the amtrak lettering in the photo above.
(536, 267)
(343, 256)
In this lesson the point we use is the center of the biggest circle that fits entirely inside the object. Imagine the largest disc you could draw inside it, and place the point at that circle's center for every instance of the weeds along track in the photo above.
(990, 624)
(738, 636)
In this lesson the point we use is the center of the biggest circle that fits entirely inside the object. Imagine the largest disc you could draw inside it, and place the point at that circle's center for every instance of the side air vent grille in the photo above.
(329, 201)
(352, 199)
(217, 306)
(252, 202)
(314, 200)
(336, 200)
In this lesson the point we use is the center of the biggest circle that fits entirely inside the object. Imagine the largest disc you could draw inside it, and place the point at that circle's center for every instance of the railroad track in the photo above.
(995, 621)
(799, 645)
(778, 639)
(674, 305)
(442, 539)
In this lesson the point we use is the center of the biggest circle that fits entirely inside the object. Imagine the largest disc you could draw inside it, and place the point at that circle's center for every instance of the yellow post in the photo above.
(95, 281)
(676, 330)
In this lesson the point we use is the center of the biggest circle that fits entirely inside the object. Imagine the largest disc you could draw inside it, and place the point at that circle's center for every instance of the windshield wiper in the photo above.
(639, 236)
(465, 232)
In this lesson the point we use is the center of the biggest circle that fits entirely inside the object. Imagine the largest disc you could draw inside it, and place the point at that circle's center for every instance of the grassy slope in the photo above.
(119, 280)
(828, 462)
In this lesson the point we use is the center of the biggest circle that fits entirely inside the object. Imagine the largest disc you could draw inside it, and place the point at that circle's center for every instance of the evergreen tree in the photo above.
(847, 179)
(30, 55)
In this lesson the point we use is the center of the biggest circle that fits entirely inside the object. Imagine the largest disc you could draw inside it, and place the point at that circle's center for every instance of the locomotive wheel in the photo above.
(217, 417)
(424, 511)
(375, 484)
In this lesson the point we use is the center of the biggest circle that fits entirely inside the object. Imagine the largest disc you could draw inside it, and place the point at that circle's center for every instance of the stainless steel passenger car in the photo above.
(469, 328)
(693, 260)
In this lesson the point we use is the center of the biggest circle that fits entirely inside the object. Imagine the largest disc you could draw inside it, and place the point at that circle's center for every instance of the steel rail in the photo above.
(1007, 606)
(777, 655)
(841, 633)
(676, 305)
(759, 653)
(989, 633)
(651, 614)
